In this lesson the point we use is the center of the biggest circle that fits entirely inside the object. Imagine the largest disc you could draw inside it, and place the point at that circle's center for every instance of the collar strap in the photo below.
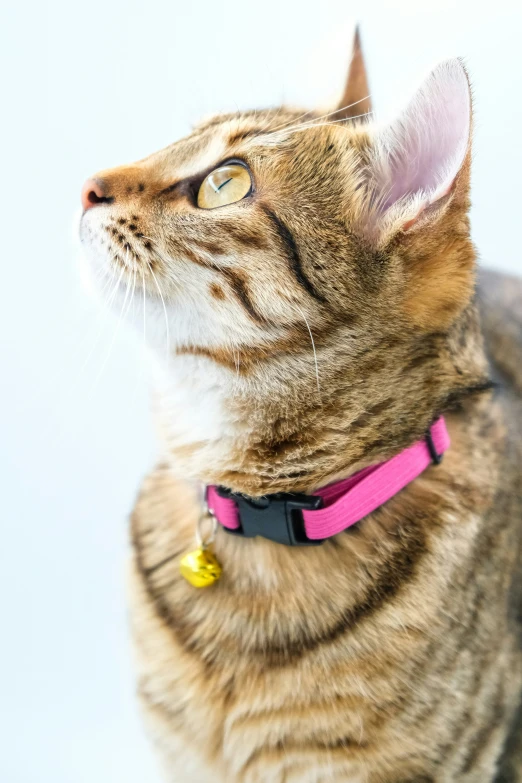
(301, 520)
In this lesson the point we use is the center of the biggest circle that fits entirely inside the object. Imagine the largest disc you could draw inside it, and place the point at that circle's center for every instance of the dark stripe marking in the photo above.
(395, 573)
(233, 278)
(240, 135)
(166, 560)
(345, 748)
(239, 287)
(480, 741)
(508, 764)
(247, 235)
(288, 242)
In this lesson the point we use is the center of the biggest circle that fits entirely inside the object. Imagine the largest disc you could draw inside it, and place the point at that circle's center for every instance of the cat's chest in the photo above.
(261, 732)
(243, 720)
(192, 402)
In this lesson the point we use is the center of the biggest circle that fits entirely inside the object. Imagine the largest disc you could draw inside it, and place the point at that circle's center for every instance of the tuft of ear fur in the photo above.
(415, 161)
(356, 99)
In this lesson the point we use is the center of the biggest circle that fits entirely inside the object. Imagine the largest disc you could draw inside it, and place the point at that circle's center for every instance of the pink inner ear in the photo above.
(423, 150)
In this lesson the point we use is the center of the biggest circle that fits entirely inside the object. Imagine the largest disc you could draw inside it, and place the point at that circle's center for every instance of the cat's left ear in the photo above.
(355, 102)
(421, 160)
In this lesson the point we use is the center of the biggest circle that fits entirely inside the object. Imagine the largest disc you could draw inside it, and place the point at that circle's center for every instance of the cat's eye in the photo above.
(224, 185)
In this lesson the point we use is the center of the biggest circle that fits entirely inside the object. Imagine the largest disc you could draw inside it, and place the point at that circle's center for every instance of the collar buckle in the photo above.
(276, 517)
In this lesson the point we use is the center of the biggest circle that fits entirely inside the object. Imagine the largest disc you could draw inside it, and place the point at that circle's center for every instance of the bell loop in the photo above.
(206, 527)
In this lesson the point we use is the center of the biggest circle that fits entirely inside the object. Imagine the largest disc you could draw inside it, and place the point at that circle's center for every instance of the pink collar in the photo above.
(300, 520)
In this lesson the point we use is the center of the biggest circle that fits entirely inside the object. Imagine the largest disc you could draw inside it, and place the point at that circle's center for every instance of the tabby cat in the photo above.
(308, 289)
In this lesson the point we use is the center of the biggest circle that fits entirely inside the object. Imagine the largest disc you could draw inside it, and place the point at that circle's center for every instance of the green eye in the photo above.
(223, 186)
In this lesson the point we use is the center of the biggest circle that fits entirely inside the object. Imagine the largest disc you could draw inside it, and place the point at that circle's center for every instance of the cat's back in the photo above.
(500, 298)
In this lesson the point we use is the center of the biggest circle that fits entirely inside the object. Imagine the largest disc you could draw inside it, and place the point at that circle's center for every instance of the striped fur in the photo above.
(300, 350)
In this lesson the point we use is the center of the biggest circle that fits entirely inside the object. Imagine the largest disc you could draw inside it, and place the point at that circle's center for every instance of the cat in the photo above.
(308, 289)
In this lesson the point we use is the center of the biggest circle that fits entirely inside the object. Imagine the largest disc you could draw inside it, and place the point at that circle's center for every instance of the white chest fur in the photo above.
(191, 400)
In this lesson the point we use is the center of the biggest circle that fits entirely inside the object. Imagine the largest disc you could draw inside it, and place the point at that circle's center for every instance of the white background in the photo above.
(91, 85)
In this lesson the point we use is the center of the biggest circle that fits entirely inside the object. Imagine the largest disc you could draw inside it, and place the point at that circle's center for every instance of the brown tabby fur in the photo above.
(391, 653)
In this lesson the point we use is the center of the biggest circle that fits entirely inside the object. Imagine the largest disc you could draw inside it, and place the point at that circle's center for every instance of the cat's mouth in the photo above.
(119, 241)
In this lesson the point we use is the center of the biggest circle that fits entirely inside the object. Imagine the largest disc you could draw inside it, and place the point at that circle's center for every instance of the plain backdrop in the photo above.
(91, 85)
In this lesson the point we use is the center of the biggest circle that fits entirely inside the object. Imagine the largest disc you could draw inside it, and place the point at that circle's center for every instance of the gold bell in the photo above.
(201, 567)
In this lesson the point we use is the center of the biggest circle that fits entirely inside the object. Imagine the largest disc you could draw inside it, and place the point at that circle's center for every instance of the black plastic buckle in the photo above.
(435, 456)
(277, 517)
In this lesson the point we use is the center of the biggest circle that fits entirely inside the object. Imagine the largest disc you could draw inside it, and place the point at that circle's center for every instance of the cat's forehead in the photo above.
(273, 137)
(227, 135)
(256, 121)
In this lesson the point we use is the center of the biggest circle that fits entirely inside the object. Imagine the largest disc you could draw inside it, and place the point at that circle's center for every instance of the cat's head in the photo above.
(260, 217)
(264, 234)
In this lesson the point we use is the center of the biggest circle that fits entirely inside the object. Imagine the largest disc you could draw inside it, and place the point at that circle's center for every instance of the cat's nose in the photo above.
(94, 192)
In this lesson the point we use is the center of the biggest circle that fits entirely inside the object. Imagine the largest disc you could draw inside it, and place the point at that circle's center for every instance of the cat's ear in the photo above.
(355, 100)
(417, 161)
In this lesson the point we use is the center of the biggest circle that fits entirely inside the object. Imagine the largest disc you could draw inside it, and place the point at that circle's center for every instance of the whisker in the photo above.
(236, 362)
(313, 349)
(343, 108)
(144, 309)
(295, 120)
(165, 311)
(278, 113)
(309, 126)
(114, 291)
(63, 394)
(123, 313)
(107, 303)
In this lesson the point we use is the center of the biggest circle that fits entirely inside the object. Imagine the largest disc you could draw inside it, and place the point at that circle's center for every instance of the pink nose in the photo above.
(94, 193)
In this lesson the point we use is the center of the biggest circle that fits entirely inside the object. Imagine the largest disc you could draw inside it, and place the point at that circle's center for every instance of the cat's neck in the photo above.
(365, 567)
(283, 427)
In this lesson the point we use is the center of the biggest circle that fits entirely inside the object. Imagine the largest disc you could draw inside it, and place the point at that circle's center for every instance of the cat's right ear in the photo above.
(420, 161)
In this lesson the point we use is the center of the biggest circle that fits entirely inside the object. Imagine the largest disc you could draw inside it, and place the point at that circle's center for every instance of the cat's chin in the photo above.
(99, 280)
(133, 305)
